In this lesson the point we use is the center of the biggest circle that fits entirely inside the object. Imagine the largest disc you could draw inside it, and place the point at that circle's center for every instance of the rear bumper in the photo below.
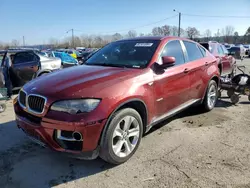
(44, 131)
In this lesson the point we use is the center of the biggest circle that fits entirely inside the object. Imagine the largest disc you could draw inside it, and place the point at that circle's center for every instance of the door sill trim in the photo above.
(173, 112)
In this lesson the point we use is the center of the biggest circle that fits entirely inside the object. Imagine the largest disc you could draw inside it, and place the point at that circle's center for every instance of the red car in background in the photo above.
(103, 107)
(226, 62)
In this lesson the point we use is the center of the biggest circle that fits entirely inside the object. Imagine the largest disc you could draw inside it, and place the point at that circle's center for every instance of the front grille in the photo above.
(22, 98)
(36, 103)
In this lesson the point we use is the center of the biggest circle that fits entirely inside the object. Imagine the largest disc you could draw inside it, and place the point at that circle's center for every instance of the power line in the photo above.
(215, 16)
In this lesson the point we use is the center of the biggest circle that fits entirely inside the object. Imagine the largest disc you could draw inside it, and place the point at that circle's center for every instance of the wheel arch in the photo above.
(216, 79)
(135, 103)
(42, 72)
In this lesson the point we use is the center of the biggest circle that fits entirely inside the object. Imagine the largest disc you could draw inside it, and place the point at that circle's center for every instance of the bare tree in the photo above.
(98, 42)
(116, 36)
(157, 31)
(132, 34)
(77, 41)
(192, 32)
(165, 30)
(15, 43)
(141, 34)
(227, 33)
(208, 34)
(236, 37)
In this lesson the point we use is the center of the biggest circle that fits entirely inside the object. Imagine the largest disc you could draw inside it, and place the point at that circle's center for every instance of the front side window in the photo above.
(127, 53)
(174, 49)
(193, 51)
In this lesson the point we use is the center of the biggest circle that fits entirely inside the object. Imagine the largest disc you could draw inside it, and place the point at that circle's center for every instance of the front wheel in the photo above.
(122, 137)
(211, 96)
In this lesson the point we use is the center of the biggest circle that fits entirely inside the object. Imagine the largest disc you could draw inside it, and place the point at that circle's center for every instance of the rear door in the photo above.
(197, 64)
(230, 59)
(225, 60)
(172, 86)
(25, 65)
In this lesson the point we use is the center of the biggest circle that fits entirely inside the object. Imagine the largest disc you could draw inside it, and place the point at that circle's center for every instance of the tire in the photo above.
(211, 93)
(109, 150)
(2, 107)
(235, 99)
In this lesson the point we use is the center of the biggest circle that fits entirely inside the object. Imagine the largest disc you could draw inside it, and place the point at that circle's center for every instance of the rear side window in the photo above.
(24, 57)
(219, 49)
(203, 51)
(174, 49)
(193, 51)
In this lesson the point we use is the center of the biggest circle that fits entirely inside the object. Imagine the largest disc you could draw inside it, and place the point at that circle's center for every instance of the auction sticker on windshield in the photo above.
(144, 44)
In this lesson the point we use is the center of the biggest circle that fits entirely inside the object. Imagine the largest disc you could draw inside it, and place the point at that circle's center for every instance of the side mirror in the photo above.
(167, 61)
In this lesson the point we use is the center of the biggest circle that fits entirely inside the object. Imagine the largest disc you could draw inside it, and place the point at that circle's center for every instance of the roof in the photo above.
(154, 38)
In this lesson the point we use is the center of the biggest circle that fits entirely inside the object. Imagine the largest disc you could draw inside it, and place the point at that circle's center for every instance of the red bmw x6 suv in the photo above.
(103, 107)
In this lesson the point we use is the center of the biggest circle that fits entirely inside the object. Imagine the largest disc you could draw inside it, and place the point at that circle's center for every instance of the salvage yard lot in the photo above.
(189, 150)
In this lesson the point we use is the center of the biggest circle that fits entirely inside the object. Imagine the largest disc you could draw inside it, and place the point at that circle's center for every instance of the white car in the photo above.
(49, 64)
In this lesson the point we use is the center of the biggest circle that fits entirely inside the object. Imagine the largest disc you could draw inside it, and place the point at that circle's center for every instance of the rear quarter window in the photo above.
(193, 51)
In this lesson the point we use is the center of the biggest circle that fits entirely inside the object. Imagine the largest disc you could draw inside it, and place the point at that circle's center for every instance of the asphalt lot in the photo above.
(189, 150)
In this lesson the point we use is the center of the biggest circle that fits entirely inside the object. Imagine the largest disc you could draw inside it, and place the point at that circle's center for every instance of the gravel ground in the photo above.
(189, 150)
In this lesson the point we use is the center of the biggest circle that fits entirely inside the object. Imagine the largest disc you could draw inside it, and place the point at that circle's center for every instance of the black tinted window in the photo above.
(24, 57)
(174, 49)
(193, 51)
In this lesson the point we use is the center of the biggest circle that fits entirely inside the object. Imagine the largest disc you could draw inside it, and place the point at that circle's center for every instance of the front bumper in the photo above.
(44, 131)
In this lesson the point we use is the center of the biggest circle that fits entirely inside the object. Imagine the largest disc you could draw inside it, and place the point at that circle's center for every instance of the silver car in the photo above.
(49, 64)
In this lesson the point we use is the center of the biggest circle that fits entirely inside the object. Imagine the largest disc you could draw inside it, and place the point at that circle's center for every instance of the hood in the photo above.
(82, 81)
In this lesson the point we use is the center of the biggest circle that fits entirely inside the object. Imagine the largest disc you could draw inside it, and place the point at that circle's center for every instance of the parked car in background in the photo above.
(237, 52)
(21, 66)
(75, 111)
(49, 64)
(226, 62)
(243, 50)
(247, 47)
(71, 52)
(227, 46)
(66, 59)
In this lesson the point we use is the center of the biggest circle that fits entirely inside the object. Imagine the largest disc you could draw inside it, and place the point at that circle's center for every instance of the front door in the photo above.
(24, 67)
(172, 86)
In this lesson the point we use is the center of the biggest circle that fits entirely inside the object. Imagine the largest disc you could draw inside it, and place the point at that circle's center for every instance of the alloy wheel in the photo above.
(212, 95)
(125, 136)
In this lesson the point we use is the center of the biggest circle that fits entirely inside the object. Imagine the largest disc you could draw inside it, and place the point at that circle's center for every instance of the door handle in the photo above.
(206, 64)
(186, 70)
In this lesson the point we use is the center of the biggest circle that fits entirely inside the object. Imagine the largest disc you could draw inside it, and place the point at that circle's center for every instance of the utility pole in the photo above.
(23, 41)
(179, 28)
(72, 30)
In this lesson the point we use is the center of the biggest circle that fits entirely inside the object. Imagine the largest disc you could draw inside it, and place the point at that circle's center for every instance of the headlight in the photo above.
(75, 106)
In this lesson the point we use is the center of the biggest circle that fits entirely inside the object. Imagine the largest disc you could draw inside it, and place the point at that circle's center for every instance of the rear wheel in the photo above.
(211, 96)
(122, 137)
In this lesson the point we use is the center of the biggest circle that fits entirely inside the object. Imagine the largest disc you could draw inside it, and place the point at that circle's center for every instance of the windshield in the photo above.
(130, 53)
